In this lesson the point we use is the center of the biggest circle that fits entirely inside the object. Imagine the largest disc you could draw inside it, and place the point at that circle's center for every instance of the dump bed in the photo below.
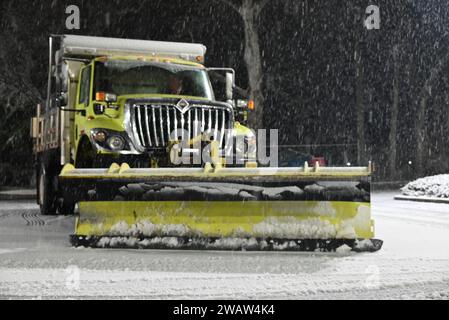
(85, 46)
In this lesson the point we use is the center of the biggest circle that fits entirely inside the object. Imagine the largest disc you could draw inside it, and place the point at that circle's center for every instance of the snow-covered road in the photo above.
(37, 261)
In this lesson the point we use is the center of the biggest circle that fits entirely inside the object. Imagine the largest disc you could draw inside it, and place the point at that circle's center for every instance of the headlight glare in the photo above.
(116, 143)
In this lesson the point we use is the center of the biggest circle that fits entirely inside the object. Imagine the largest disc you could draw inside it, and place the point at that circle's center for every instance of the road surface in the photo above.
(36, 261)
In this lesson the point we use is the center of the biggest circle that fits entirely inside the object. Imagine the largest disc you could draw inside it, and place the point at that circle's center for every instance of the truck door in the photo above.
(84, 96)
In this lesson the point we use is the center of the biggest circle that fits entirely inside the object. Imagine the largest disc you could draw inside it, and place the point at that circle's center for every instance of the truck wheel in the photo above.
(46, 192)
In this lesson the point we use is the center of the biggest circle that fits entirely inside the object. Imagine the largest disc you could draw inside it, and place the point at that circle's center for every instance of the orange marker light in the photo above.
(100, 96)
(251, 105)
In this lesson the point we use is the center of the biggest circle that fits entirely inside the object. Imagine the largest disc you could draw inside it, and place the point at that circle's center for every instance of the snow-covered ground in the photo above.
(433, 186)
(36, 261)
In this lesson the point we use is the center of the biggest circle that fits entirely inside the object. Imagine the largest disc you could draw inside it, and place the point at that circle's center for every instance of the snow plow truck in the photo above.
(133, 141)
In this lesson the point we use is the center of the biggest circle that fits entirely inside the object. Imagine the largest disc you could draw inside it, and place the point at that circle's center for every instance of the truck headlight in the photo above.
(116, 143)
(109, 139)
(99, 136)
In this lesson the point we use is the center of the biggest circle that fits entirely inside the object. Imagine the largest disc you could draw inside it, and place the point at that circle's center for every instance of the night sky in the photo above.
(316, 56)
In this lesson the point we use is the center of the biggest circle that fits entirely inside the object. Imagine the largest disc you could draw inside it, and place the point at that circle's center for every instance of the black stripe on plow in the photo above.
(228, 244)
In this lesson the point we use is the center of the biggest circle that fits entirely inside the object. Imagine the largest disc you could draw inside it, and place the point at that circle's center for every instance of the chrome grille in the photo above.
(154, 125)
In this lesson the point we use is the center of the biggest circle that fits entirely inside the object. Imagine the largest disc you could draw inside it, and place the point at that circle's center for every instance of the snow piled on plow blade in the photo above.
(266, 225)
(275, 219)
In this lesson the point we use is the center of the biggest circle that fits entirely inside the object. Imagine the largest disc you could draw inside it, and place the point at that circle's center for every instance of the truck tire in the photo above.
(46, 192)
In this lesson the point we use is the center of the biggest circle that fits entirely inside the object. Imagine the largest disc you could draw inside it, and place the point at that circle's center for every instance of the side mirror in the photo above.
(228, 79)
(61, 100)
(229, 85)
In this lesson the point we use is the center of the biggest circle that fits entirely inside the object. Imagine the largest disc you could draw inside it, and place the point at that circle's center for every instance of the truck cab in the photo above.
(134, 108)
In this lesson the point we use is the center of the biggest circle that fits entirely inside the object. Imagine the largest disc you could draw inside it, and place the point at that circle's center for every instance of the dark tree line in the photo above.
(331, 86)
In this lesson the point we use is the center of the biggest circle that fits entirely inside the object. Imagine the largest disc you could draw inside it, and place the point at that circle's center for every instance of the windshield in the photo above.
(123, 77)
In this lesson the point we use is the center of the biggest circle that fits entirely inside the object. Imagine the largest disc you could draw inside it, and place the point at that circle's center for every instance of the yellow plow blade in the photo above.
(289, 208)
(265, 219)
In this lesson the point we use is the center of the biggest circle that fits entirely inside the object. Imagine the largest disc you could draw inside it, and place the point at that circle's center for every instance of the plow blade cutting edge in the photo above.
(303, 209)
